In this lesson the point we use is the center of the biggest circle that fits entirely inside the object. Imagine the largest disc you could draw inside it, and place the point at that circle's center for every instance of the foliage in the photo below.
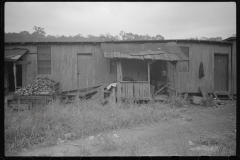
(39, 34)
(44, 125)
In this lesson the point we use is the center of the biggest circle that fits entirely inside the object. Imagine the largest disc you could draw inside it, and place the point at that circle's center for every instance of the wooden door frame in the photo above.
(229, 70)
(79, 54)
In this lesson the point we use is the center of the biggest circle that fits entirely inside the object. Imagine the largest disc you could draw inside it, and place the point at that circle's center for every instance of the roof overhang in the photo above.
(169, 51)
(13, 54)
(230, 39)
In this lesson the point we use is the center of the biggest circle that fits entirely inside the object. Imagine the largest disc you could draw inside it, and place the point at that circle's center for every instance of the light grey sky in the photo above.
(172, 20)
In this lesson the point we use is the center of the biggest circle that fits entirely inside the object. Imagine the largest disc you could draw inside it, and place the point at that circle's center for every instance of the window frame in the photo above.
(181, 64)
(44, 63)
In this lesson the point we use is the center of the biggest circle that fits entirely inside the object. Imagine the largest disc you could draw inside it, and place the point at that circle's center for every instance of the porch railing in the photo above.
(139, 90)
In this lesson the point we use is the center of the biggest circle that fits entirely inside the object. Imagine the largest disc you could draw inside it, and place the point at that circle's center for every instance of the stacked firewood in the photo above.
(36, 87)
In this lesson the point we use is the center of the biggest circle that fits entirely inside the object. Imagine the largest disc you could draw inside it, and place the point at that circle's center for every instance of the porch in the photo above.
(133, 63)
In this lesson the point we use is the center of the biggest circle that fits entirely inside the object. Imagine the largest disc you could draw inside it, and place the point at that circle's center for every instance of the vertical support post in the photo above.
(149, 79)
(14, 73)
(102, 94)
(119, 79)
(175, 76)
(112, 98)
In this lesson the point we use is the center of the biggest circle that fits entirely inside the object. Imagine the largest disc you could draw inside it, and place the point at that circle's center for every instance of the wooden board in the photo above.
(130, 90)
(136, 87)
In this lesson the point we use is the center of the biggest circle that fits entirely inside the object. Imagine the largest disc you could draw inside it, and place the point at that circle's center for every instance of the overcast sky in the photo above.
(172, 20)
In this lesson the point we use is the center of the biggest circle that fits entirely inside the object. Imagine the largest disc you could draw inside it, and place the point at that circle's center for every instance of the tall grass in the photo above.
(44, 125)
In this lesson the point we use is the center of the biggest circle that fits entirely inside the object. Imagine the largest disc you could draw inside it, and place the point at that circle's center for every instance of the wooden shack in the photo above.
(234, 63)
(84, 64)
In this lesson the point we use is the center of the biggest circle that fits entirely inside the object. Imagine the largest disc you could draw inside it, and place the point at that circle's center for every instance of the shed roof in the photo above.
(230, 38)
(169, 51)
(121, 41)
(13, 54)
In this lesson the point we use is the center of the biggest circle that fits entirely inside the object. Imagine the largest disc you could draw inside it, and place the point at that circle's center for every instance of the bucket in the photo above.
(197, 99)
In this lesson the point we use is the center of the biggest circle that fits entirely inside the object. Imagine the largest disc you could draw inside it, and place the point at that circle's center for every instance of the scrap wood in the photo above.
(204, 93)
(35, 87)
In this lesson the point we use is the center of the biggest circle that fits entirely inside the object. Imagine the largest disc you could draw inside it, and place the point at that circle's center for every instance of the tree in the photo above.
(117, 38)
(147, 37)
(39, 30)
(215, 39)
(159, 37)
(25, 36)
(129, 36)
(38, 34)
(123, 35)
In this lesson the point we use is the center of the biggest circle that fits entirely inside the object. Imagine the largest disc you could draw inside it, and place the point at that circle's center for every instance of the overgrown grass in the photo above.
(225, 143)
(44, 125)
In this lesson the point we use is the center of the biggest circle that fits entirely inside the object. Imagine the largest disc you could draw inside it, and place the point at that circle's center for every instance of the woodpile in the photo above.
(36, 87)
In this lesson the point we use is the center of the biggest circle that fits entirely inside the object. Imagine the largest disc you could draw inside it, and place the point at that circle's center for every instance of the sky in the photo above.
(172, 20)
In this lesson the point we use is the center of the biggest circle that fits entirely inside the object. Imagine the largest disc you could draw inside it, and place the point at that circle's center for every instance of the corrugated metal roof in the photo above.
(157, 51)
(13, 54)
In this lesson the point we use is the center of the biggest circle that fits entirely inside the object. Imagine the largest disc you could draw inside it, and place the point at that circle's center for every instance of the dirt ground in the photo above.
(199, 131)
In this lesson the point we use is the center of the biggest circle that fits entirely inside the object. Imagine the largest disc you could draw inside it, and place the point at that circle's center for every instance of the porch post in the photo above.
(14, 73)
(149, 90)
(175, 76)
(119, 79)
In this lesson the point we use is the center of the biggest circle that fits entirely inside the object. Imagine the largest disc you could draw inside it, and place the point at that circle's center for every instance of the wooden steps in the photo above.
(222, 93)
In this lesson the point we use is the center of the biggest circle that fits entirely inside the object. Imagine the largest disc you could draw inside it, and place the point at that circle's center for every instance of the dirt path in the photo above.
(200, 131)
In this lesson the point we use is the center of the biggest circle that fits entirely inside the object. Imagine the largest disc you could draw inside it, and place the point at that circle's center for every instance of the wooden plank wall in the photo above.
(64, 64)
(234, 71)
(198, 52)
(136, 90)
(136, 69)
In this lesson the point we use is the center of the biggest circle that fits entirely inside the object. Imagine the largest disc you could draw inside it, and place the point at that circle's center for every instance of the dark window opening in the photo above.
(184, 65)
(44, 59)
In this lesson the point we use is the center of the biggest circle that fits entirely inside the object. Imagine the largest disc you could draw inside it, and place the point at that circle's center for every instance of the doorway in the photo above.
(85, 70)
(156, 69)
(11, 85)
(221, 72)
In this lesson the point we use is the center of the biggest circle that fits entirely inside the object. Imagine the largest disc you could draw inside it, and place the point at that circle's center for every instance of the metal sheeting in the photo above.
(156, 51)
(13, 54)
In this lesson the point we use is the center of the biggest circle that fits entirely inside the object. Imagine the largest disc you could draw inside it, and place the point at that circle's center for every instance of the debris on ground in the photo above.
(60, 140)
(218, 103)
(91, 137)
(115, 135)
(190, 143)
(41, 84)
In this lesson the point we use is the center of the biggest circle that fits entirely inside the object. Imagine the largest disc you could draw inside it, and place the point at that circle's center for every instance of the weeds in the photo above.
(107, 145)
(44, 125)
(226, 146)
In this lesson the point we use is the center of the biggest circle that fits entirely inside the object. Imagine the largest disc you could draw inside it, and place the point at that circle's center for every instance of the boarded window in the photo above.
(113, 66)
(44, 59)
(185, 50)
(184, 65)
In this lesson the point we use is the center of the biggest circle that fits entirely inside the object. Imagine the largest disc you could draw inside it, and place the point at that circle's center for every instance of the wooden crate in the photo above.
(31, 101)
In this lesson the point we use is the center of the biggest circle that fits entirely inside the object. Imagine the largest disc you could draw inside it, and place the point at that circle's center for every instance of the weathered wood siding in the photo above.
(199, 52)
(64, 64)
(234, 71)
(135, 90)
